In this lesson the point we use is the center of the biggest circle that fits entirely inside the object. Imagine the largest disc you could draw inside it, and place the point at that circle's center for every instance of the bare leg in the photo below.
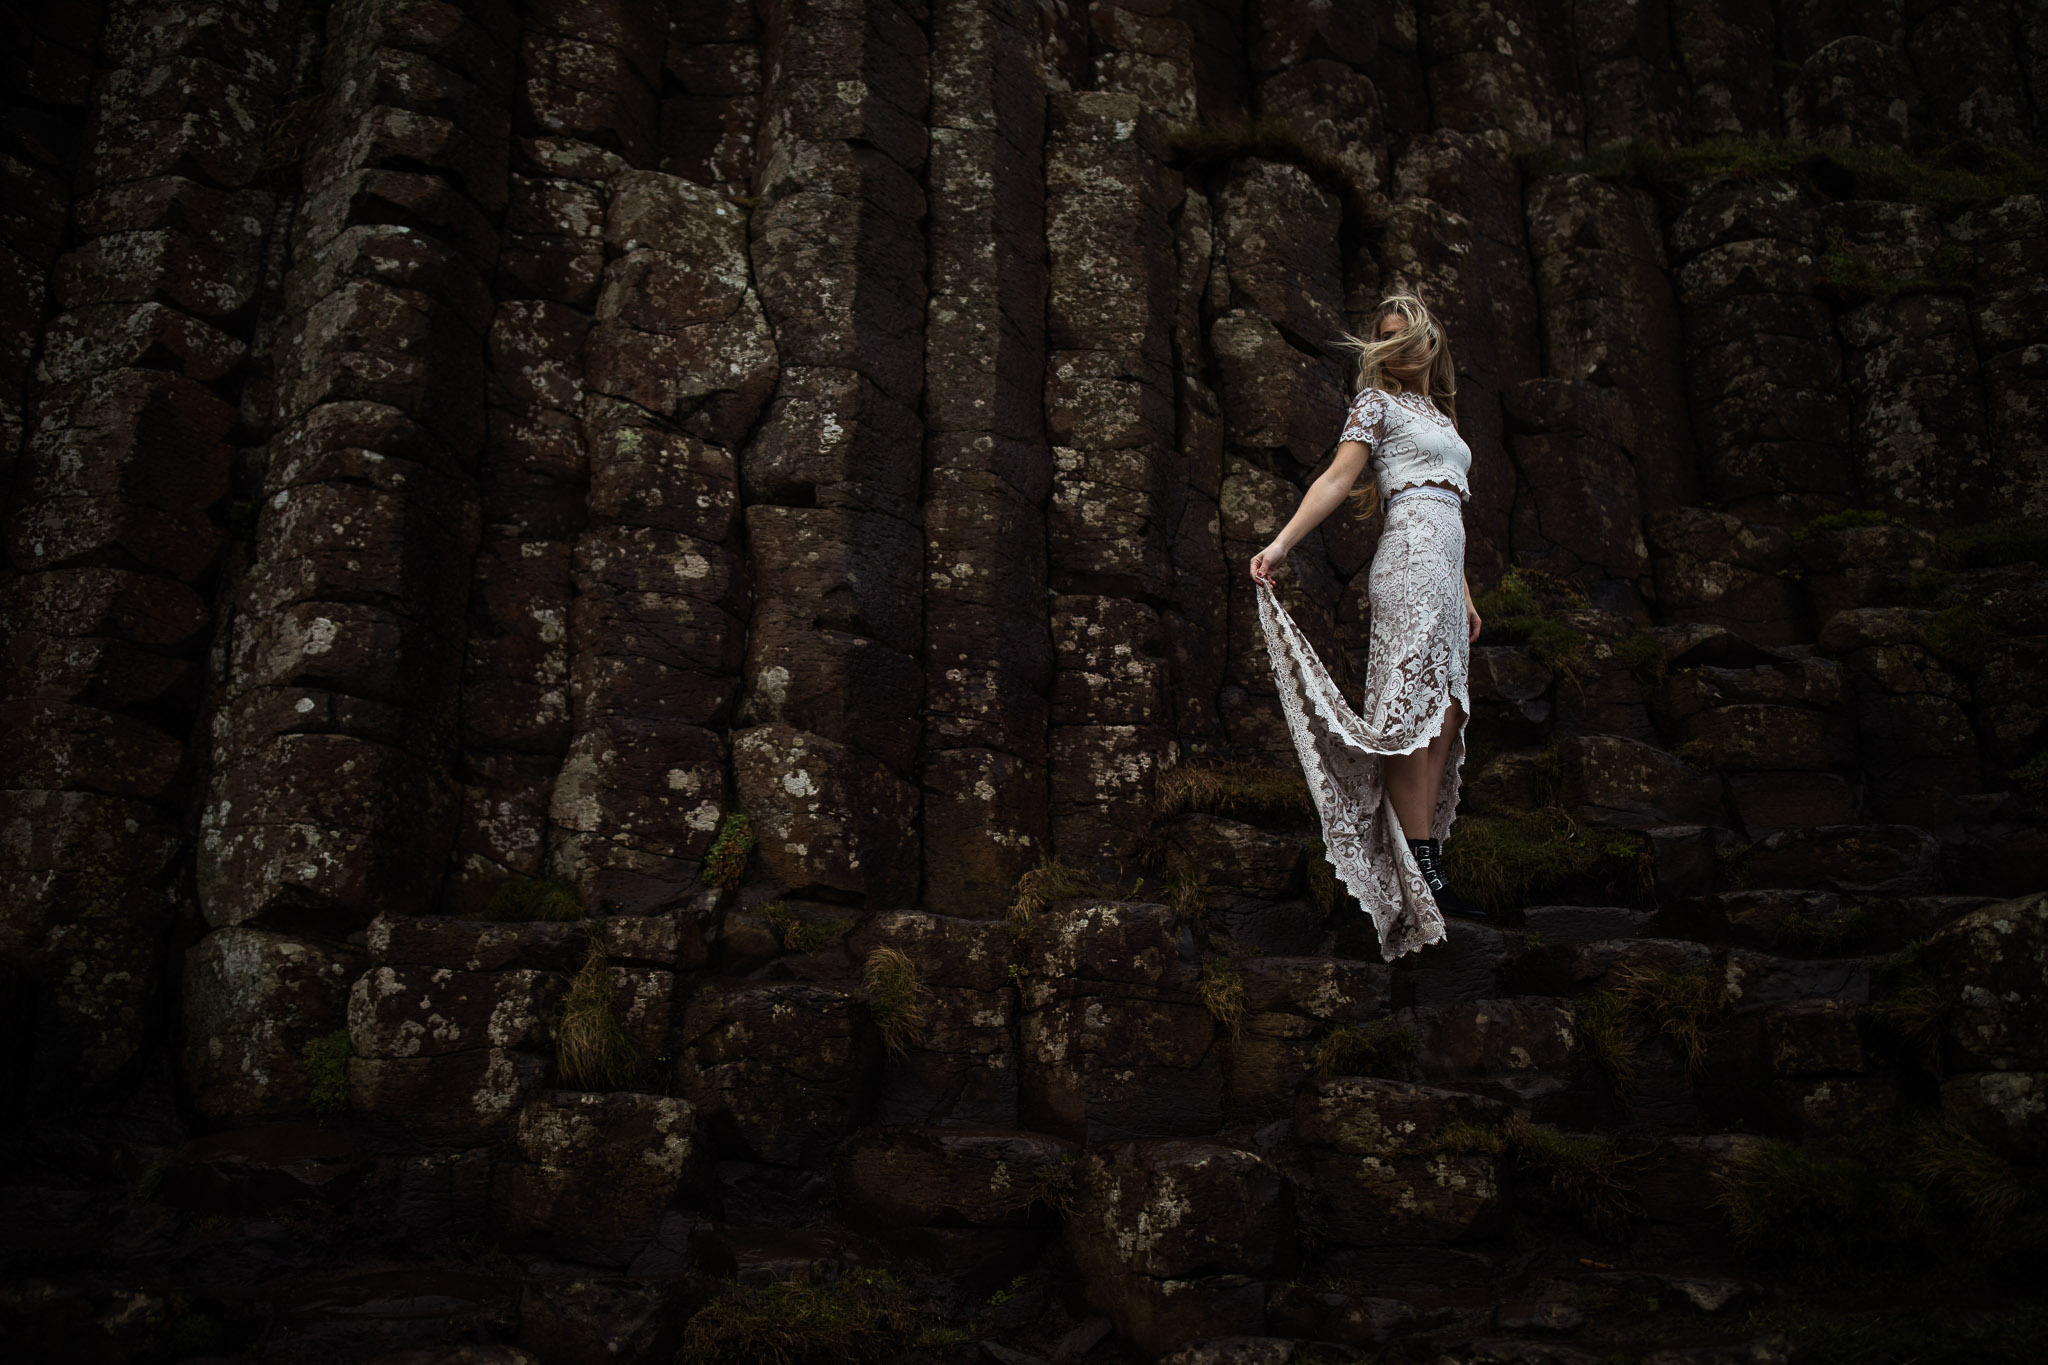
(1415, 780)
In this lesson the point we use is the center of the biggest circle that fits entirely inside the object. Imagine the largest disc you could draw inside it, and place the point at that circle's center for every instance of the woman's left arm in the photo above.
(1471, 615)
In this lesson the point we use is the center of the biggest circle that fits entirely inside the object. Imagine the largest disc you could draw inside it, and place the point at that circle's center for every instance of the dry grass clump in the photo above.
(1056, 1185)
(1584, 1171)
(896, 998)
(1606, 1033)
(1928, 1184)
(725, 862)
(1382, 1048)
(1187, 888)
(526, 899)
(865, 1317)
(1913, 1005)
(1222, 788)
(592, 1051)
(1221, 987)
(1682, 1004)
(1053, 880)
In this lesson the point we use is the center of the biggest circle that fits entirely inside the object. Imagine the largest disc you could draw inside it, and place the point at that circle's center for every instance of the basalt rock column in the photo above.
(1916, 400)
(333, 795)
(112, 524)
(833, 685)
(581, 80)
(1762, 363)
(1118, 488)
(681, 364)
(49, 66)
(1610, 318)
(1277, 296)
(650, 394)
(1455, 231)
(1500, 64)
(2010, 243)
(987, 650)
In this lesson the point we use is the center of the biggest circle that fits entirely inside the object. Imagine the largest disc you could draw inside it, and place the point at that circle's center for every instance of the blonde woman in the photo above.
(1385, 776)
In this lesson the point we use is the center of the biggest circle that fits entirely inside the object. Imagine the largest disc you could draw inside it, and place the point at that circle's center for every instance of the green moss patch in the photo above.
(799, 935)
(1854, 518)
(527, 899)
(326, 1061)
(1993, 544)
(725, 862)
(1502, 861)
(1524, 608)
(1959, 175)
(1221, 988)
(865, 1316)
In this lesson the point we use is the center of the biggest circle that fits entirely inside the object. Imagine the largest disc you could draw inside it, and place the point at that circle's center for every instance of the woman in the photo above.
(1385, 777)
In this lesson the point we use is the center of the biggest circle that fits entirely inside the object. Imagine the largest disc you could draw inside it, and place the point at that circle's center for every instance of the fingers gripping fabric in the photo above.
(1415, 665)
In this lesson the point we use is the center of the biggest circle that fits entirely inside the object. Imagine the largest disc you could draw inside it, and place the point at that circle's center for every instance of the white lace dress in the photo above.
(1416, 663)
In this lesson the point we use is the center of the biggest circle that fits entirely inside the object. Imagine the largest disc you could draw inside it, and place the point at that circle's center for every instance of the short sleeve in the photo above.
(1366, 419)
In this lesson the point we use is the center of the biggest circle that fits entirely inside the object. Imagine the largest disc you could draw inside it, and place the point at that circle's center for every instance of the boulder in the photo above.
(778, 1070)
(595, 1172)
(1996, 960)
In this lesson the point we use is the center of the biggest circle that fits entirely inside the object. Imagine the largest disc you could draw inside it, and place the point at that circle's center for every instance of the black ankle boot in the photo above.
(1429, 856)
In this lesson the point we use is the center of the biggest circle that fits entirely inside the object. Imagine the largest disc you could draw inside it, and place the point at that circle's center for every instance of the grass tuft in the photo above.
(2031, 778)
(864, 1317)
(1382, 1048)
(1642, 654)
(526, 899)
(1791, 1203)
(896, 998)
(1224, 788)
(1053, 880)
(326, 1059)
(1585, 1171)
(1221, 987)
(592, 1051)
(1912, 1004)
(1056, 1185)
(1682, 1004)
(725, 862)
(1607, 1032)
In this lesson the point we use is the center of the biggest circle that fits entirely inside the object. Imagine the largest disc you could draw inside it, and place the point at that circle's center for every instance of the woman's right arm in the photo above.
(1323, 497)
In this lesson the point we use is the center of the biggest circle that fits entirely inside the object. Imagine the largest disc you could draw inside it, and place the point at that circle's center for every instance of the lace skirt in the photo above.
(1416, 664)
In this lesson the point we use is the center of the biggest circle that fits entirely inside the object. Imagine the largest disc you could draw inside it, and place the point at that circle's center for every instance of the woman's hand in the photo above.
(1265, 562)
(1472, 622)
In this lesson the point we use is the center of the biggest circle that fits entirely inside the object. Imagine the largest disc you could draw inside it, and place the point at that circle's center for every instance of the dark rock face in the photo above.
(458, 452)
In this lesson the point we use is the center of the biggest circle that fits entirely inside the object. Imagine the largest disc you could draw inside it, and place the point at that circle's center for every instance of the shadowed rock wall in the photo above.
(452, 445)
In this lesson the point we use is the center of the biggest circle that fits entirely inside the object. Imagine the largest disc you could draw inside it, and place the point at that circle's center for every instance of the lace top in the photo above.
(1412, 441)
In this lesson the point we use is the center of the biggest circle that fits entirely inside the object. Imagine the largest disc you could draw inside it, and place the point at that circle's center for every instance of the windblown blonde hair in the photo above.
(1423, 339)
